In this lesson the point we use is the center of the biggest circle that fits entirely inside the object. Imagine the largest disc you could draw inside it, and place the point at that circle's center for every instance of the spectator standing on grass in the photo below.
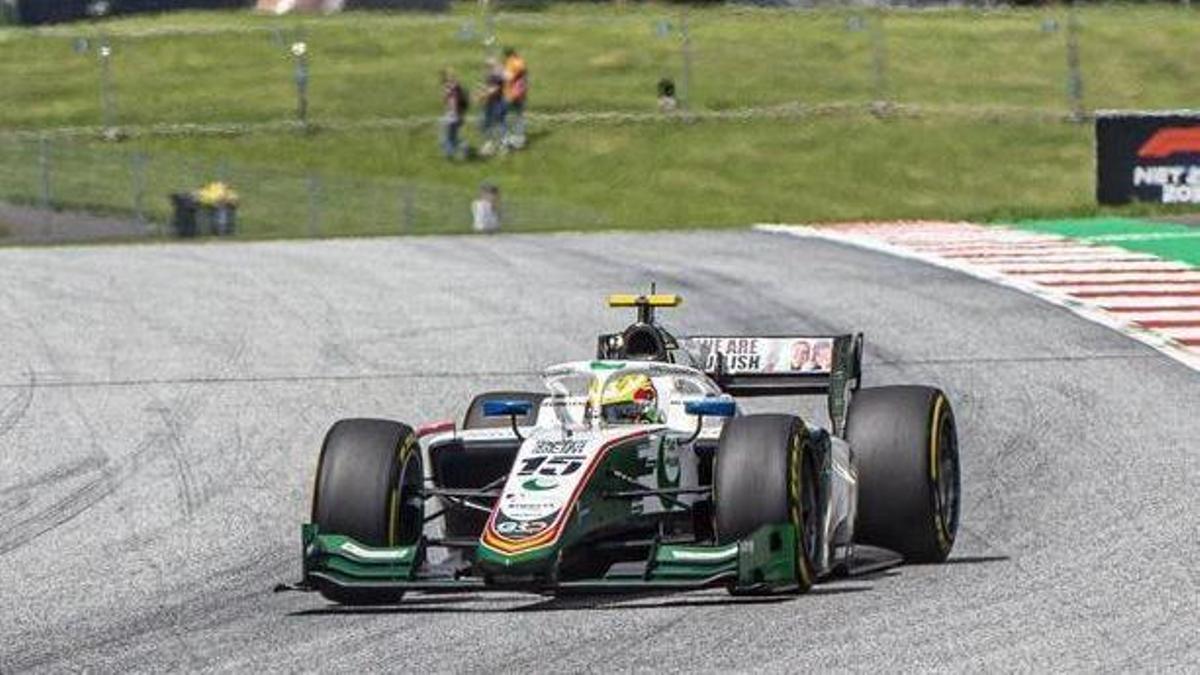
(455, 103)
(516, 88)
(491, 97)
(485, 210)
(666, 95)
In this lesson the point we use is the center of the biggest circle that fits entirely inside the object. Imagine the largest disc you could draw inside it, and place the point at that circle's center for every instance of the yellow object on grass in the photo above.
(216, 194)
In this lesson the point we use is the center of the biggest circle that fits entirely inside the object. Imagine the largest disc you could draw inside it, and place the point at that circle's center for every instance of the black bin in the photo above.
(184, 209)
(220, 220)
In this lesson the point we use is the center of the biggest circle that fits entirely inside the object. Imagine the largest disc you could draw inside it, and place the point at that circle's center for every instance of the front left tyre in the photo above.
(368, 488)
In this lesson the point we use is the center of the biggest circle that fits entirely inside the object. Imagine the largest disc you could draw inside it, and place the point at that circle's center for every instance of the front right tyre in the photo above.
(368, 488)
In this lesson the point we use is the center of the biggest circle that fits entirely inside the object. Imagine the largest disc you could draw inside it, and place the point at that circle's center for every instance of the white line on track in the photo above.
(996, 252)
(1148, 236)
(1115, 279)
(1125, 302)
(1184, 335)
(1164, 318)
(1099, 290)
(1080, 258)
(1098, 268)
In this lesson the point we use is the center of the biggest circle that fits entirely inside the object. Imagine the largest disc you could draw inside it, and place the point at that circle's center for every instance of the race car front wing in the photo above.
(764, 562)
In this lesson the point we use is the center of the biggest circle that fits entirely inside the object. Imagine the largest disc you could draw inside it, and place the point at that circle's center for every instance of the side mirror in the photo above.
(711, 407)
(506, 408)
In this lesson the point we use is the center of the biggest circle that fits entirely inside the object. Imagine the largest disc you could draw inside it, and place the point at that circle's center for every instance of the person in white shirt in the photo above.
(485, 210)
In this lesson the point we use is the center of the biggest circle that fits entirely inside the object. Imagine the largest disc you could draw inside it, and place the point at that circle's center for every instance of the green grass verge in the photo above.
(951, 163)
(235, 67)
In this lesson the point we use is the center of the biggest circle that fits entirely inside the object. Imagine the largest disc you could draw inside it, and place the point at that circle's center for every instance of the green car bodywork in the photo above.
(762, 562)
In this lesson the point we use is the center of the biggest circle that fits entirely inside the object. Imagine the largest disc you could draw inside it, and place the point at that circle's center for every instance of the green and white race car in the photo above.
(638, 470)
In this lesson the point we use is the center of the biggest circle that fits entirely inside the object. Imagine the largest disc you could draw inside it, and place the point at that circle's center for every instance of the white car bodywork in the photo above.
(569, 440)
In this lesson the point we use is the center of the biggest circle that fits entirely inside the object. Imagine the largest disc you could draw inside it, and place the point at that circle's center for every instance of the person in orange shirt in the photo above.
(516, 89)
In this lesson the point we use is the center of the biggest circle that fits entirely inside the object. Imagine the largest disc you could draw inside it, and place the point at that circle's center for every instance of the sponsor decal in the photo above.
(534, 484)
(668, 469)
(374, 554)
(521, 528)
(529, 510)
(1171, 141)
(693, 555)
(555, 465)
(563, 447)
(1150, 158)
(541, 491)
(763, 355)
(1177, 184)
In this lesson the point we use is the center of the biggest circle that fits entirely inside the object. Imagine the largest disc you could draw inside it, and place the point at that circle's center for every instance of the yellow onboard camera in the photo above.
(652, 300)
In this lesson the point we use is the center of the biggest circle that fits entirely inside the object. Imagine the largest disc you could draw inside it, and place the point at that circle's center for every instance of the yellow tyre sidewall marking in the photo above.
(939, 523)
(795, 488)
(403, 450)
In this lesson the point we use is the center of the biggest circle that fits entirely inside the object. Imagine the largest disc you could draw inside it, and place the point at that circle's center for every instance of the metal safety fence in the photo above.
(57, 191)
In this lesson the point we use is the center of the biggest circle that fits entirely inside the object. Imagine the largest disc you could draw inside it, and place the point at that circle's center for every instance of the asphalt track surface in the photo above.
(161, 408)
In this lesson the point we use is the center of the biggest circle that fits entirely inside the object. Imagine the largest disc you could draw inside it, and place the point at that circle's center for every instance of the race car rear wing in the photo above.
(783, 366)
(744, 365)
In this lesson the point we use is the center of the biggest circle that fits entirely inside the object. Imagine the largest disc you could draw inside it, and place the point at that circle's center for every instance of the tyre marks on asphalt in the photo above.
(1153, 300)
(15, 408)
(48, 500)
(179, 416)
(40, 504)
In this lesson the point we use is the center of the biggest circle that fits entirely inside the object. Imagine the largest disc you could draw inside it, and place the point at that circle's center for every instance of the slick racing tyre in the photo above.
(765, 474)
(368, 488)
(906, 448)
(474, 418)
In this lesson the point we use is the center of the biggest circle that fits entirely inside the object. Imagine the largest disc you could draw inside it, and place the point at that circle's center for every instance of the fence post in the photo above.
(686, 48)
(108, 107)
(138, 165)
(44, 165)
(1074, 72)
(879, 62)
(408, 210)
(300, 53)
(488, 27)
(314, 206)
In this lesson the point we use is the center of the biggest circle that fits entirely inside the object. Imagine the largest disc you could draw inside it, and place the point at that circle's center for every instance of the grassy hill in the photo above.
(781, 131)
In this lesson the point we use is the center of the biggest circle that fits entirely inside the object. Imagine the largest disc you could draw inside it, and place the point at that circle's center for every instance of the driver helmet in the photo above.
(629, 399)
